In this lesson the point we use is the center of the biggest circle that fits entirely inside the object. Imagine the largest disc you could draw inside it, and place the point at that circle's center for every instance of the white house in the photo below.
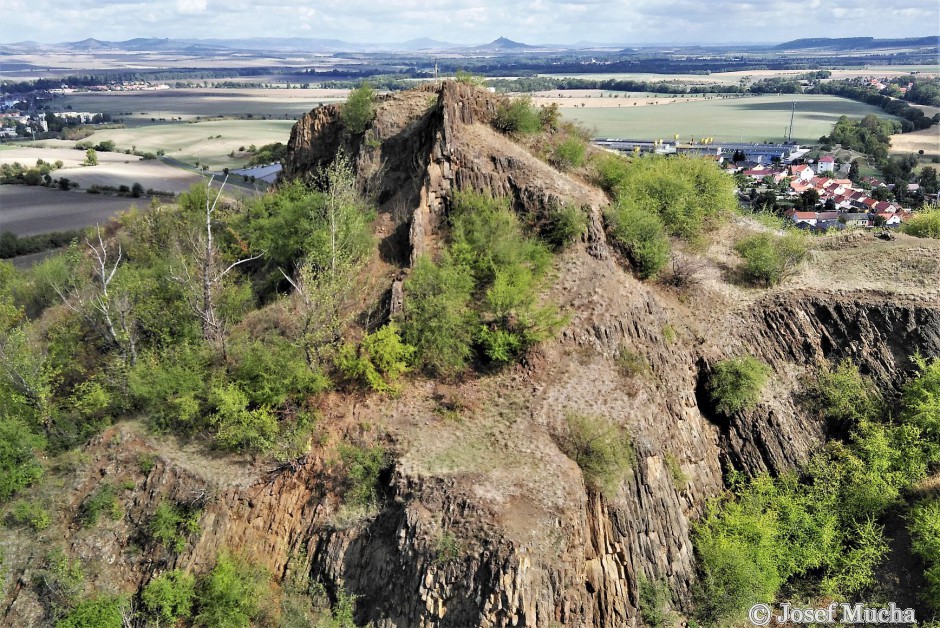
(826, 164)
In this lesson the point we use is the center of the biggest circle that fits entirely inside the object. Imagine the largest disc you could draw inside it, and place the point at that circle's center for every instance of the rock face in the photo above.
(483, 521)
(421, 147)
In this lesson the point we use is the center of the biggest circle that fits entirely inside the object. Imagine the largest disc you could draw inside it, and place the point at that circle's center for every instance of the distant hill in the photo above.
(858, 43)
(424, 43)
(503, 44)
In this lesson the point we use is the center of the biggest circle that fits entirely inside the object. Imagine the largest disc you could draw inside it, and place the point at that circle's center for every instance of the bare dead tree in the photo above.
(204, 281)
(104, 309)
(685, 271)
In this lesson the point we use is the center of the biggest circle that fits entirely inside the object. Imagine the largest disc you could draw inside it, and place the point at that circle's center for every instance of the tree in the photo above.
(201, 271)
(91, 157)
(853, 171)
(359, 109)
(105, 309)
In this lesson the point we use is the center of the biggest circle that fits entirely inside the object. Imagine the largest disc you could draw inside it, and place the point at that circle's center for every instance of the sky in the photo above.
(471, 21)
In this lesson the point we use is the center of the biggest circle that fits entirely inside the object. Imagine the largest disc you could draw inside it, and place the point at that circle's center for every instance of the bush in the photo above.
(517, 117)
(101, 501)
(689, 194)
(362, 466)
(169, 597)
(234, 594)
(359, 109)
(924, 525)
(735, 384)
(642, 235)
(610, 172)
(380, 360)
(924, 224)
(569, 153)
(29, 514)
(100, 612)
(272, 370)
(170, 385)
(172, 525)
(563, 226)
(18, 464)
(436, 316)
(922, 404)
(843, 396)
(768, 259)
(237, 427)
(654, 600)
(601, 449)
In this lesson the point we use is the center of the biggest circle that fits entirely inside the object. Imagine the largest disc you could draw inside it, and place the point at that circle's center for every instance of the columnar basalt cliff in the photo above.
(483, 521)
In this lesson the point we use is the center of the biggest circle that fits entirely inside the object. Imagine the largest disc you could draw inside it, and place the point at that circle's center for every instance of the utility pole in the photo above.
(792, 113)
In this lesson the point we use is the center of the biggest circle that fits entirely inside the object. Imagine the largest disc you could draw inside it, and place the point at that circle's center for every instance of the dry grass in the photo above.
(927, 140)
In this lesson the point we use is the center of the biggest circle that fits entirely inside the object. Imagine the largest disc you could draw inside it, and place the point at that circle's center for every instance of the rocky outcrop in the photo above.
(422, 146)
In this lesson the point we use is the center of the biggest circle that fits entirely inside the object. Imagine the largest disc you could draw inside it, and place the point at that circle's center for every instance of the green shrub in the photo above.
(362, 466)
(569, 153)
(922, 404)
(169, 597)
(234, 594)
(99, 612)
(102, 501)
(735, 384)
(272, 370)
(768, 259)
(642, 235)
(843, 396)
(517, 116)
(31, 514)
(631, 364)
(359, 109)
(19, 467)
(611, 172)
(563, 226)
(236, 427)
(924, 525)
(601, 449)
(437, 318)
(172, 525)
(923, 224)
(171, 385)
(381, 359)
(654, 602)
(688, 194)
(59, 580)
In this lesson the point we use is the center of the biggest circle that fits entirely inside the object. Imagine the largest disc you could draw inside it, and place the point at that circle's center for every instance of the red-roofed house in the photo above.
(826, 164)
(891, 219)
(807, 217)
(802, 172)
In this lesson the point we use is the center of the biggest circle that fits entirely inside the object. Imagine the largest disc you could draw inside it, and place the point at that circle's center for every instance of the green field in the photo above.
(751, 119)
(207, 142)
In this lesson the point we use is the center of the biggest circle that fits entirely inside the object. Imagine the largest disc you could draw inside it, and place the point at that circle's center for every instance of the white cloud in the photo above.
(190, 7)
(474, 21)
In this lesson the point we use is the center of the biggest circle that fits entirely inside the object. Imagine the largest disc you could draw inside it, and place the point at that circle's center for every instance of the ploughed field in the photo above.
(30, 210)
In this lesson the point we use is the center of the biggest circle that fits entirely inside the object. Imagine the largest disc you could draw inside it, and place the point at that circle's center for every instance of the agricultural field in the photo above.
(207, 143)
(927, 140)
(748, 76)
(146, 107)
(29, 210)
(749, 119)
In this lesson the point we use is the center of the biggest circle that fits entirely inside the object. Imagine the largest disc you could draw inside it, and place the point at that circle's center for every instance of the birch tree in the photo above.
(108, 308)
(202, 272)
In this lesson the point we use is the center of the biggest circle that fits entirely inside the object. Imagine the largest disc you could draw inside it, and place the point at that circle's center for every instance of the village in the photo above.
(824, 198)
